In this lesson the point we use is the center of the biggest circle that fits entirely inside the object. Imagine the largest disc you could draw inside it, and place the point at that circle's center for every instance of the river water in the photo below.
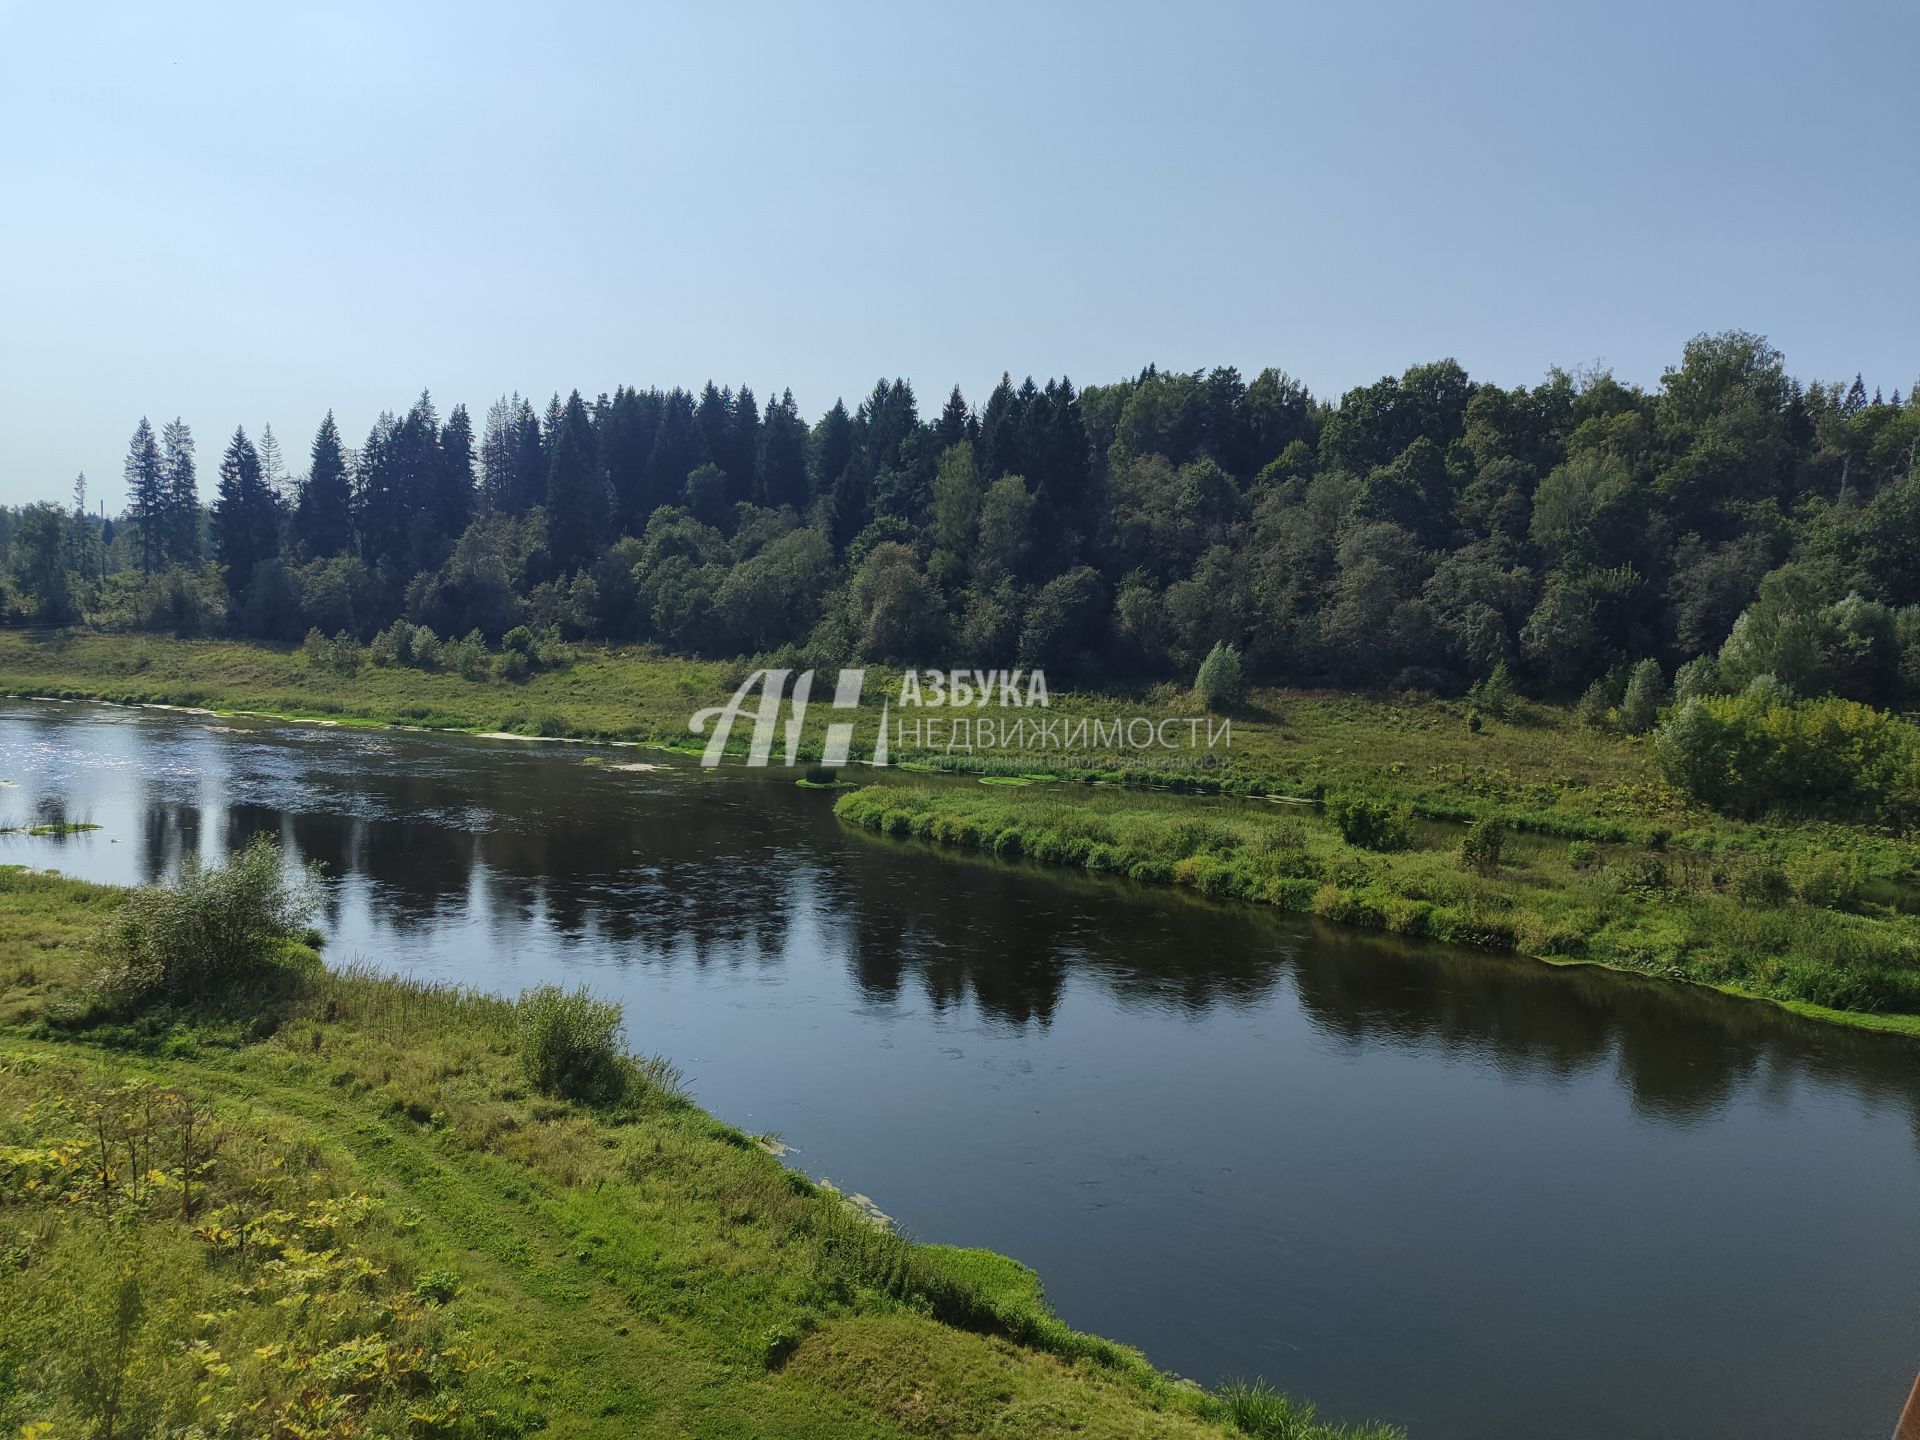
(1476, 1196)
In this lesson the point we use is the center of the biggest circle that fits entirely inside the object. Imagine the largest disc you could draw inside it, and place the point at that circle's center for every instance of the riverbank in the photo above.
(1733, 924)
(340, 1205)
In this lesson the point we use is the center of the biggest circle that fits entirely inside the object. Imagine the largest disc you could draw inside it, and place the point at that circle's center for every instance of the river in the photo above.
(1476, 1196)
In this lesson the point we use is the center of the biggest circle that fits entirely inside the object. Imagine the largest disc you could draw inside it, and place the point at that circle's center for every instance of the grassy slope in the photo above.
(650, 1272)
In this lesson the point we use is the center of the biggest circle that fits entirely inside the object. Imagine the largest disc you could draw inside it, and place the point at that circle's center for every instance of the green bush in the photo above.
(572, 1045)
(1220, 683)
(1371, 824)
(1759, 880)
(1646, 693)
(215, 932)
(1833, 882)
(1480, 847)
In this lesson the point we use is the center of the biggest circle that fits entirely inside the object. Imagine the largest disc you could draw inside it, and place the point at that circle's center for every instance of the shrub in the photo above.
(1831, 881)
(1700, 676)
(1756, 751)
(1495, 694)
(572, 1045)
(1371, 824)
(1480, 847)
(219, 929)
(1595, 706)
(1759, 880)
(1220, 683)
(1646, 693)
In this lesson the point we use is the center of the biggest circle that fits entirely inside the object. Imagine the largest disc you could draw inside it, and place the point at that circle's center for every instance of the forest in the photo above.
(1425, 532)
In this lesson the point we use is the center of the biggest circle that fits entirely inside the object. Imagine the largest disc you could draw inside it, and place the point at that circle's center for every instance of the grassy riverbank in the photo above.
(1799, 933)
(338, 1207)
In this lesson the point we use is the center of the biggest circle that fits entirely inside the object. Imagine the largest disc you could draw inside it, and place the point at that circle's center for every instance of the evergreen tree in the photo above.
(182, 524)
(999, 450)
(146, 479)
(379, 507)
(783, 455)
(273, 466)
(677, 452)
(454, 490)
(578, 501)
(832, 448)
(323, 512)
(246, 521)
(713, 418)
(742, 461)
(955, 423)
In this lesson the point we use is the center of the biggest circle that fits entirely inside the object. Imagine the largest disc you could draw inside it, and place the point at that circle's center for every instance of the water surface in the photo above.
(1477, 1196)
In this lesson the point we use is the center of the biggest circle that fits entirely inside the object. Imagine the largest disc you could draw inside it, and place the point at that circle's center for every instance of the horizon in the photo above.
(335, 210)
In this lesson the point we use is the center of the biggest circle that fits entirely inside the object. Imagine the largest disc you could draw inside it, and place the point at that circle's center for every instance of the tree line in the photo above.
(1423, 532)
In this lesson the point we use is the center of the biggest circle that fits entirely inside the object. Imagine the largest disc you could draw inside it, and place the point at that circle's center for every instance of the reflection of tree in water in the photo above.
(723, 871)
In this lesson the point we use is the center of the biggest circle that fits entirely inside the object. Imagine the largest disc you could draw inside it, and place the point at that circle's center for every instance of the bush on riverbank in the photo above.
(216, 933)
(572, 1045)
(1679, 915)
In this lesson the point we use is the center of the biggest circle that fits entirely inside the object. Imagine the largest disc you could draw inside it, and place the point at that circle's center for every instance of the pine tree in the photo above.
(182, 522)
(246, 527)
(146, 479)
(578, 500)
(323, 514)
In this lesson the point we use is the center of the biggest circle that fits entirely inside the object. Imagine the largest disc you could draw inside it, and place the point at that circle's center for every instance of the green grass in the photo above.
(398, 1233)
(1667, 912)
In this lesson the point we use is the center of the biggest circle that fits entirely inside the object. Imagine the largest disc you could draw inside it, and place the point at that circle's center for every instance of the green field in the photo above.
(339, 1209)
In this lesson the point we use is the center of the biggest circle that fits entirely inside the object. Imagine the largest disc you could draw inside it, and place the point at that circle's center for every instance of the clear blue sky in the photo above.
(250, 213)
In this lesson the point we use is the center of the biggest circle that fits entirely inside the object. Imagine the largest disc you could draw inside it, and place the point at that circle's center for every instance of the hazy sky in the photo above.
(251, 213)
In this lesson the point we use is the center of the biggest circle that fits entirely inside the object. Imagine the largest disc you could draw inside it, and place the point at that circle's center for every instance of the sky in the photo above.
(249, 214)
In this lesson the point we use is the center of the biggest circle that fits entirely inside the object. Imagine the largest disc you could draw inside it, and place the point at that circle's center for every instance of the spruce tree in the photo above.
(578, 501)
(832, 448)
(246, 529)
(742, 462)
(323, 513)
(182, 523)
(454, 492)
(146, 479)
(783, 455)
(954, 424)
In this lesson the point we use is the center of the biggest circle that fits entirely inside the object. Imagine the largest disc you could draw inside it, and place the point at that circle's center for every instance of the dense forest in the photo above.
(1422, 533)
